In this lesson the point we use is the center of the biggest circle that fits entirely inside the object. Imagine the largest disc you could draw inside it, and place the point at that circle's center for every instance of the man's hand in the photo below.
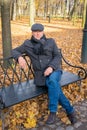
(48, 71)
(22, 62)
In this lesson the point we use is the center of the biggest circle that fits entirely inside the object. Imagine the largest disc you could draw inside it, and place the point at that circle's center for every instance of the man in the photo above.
(46, 61)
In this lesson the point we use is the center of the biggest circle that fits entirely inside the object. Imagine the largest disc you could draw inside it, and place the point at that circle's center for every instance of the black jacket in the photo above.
(48, 56)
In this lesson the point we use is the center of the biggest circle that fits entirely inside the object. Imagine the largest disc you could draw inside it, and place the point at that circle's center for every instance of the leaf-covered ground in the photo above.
(69, 39)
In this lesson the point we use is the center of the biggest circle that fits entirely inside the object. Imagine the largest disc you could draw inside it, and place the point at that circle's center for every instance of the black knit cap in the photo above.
(37, 27)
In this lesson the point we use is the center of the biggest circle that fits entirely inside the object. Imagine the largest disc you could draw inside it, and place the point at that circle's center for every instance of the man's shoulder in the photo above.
(51, 40)
(27, 41)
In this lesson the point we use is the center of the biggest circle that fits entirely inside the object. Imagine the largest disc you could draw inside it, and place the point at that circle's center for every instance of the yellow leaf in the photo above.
(26, 125)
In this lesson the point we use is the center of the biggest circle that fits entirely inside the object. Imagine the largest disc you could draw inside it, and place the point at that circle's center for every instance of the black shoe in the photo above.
(72, 117)
(51, 118)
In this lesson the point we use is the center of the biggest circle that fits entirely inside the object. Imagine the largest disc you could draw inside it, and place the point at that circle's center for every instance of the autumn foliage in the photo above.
(69, 39)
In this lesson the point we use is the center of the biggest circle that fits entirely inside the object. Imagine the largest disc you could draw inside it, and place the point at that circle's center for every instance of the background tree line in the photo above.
(16, 9)
(70, 9)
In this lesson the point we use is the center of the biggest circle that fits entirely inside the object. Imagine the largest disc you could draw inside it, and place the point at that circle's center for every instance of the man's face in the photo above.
(37, 34)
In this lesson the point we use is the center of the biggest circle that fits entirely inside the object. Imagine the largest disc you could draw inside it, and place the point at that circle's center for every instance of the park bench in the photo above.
(17, 85)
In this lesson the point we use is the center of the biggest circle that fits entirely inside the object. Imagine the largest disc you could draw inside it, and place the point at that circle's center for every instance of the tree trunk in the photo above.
(13, 10)
(67, 7)
(32, 11)
(84, 13)
(72, 12)
(6, 28)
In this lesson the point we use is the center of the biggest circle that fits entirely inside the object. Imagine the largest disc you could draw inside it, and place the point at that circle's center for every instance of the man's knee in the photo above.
(53, 78)
(56, 75)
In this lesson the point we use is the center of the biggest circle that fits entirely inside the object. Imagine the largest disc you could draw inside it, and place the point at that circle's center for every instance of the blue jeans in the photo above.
(55, 93)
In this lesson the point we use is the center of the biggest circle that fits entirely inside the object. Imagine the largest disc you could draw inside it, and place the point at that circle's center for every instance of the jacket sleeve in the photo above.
(18, 51)
(56, 60)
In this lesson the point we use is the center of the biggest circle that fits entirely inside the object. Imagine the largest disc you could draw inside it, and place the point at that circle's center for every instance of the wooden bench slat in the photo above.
(20, 92)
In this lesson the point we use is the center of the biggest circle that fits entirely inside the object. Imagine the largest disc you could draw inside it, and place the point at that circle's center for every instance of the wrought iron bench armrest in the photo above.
(81, 73)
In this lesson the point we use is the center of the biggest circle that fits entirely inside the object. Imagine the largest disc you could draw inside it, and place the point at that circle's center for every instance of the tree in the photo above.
(13, 10)
(6, 28)
(32, 11)
(84, 13)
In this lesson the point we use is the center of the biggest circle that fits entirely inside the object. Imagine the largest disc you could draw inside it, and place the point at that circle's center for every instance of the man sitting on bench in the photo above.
(46, 62)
